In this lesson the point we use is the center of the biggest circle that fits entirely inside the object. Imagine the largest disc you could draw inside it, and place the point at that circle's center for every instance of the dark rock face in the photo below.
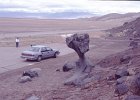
(125, 59)
(121, 89)
(58, 70)
(79, 42)
(34, 72)
(30, 73)
(135, 85)
(130, 84)
(121, 80)
(110, 78)
(83, 66)
(133, 44)
(129, 29)
(133, 97)
(121, 72)
(69, 66)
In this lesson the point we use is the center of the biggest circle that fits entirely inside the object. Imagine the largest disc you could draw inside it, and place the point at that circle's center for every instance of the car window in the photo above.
(34, 49)
(48, 49)
(43, 49)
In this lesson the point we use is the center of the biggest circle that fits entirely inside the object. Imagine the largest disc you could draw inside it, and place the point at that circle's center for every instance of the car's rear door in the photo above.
(44, 52)
(50, 52)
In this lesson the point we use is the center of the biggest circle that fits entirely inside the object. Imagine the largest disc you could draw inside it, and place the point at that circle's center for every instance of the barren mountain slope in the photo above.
(128, 29)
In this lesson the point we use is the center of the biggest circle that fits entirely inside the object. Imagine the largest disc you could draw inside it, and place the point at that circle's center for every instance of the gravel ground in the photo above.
(49, 84)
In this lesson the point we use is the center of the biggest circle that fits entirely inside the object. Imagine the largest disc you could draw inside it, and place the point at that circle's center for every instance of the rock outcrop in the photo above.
(29, 74)
(121, 73)
(83, 66)
(135, 85)
(128, 29)
(121, 89)
(24, 79)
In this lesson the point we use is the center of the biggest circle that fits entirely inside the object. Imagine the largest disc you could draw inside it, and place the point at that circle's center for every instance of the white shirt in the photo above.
(17, 40)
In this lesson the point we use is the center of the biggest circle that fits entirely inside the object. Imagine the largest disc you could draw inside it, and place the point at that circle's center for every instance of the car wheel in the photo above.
(27, 59)
(39, 58)
(55, 55)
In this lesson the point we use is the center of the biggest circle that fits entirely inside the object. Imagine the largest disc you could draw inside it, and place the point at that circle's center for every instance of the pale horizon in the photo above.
(64, 8)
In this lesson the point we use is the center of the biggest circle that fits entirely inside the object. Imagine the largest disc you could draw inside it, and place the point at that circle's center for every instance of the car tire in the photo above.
(27, 59)
(55, 55)
(39, 58)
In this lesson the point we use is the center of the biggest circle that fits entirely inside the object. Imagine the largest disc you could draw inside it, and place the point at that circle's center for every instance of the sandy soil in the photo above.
(36, 31)
(8, 25)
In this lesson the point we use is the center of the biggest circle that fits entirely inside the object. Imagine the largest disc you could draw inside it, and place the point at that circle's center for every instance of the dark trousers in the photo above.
(17, 44)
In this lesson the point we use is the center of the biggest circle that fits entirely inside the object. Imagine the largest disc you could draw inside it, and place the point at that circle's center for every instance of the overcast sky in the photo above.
(63, 6)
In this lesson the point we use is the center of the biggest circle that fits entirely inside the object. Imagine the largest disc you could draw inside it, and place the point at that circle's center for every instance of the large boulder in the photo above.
(78, 42)
(77, 79)
(83, 66)
(121, 80)
(121, 89)
(135, 85)
(125, 60)
(121, 72)
(68, 66)
(30, 73)
(34, 72)
(37, 70)
(133, 44)
(24, 79)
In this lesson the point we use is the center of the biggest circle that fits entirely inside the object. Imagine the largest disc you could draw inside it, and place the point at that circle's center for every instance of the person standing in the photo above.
(17, 42)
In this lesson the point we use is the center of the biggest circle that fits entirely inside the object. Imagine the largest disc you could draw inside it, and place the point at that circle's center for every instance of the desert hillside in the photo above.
(128, 29)
(116, 16)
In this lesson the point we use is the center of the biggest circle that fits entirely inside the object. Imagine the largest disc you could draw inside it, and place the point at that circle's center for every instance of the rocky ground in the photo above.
(114, 77)
(128, 29)
(50, 83)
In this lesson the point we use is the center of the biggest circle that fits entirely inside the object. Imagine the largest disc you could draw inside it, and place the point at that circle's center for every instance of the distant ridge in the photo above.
(68, 15)
(57, 15)
(128, 29)
(115, 16)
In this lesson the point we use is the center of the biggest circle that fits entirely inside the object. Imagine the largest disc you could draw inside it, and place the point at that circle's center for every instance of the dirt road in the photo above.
(10, 56)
